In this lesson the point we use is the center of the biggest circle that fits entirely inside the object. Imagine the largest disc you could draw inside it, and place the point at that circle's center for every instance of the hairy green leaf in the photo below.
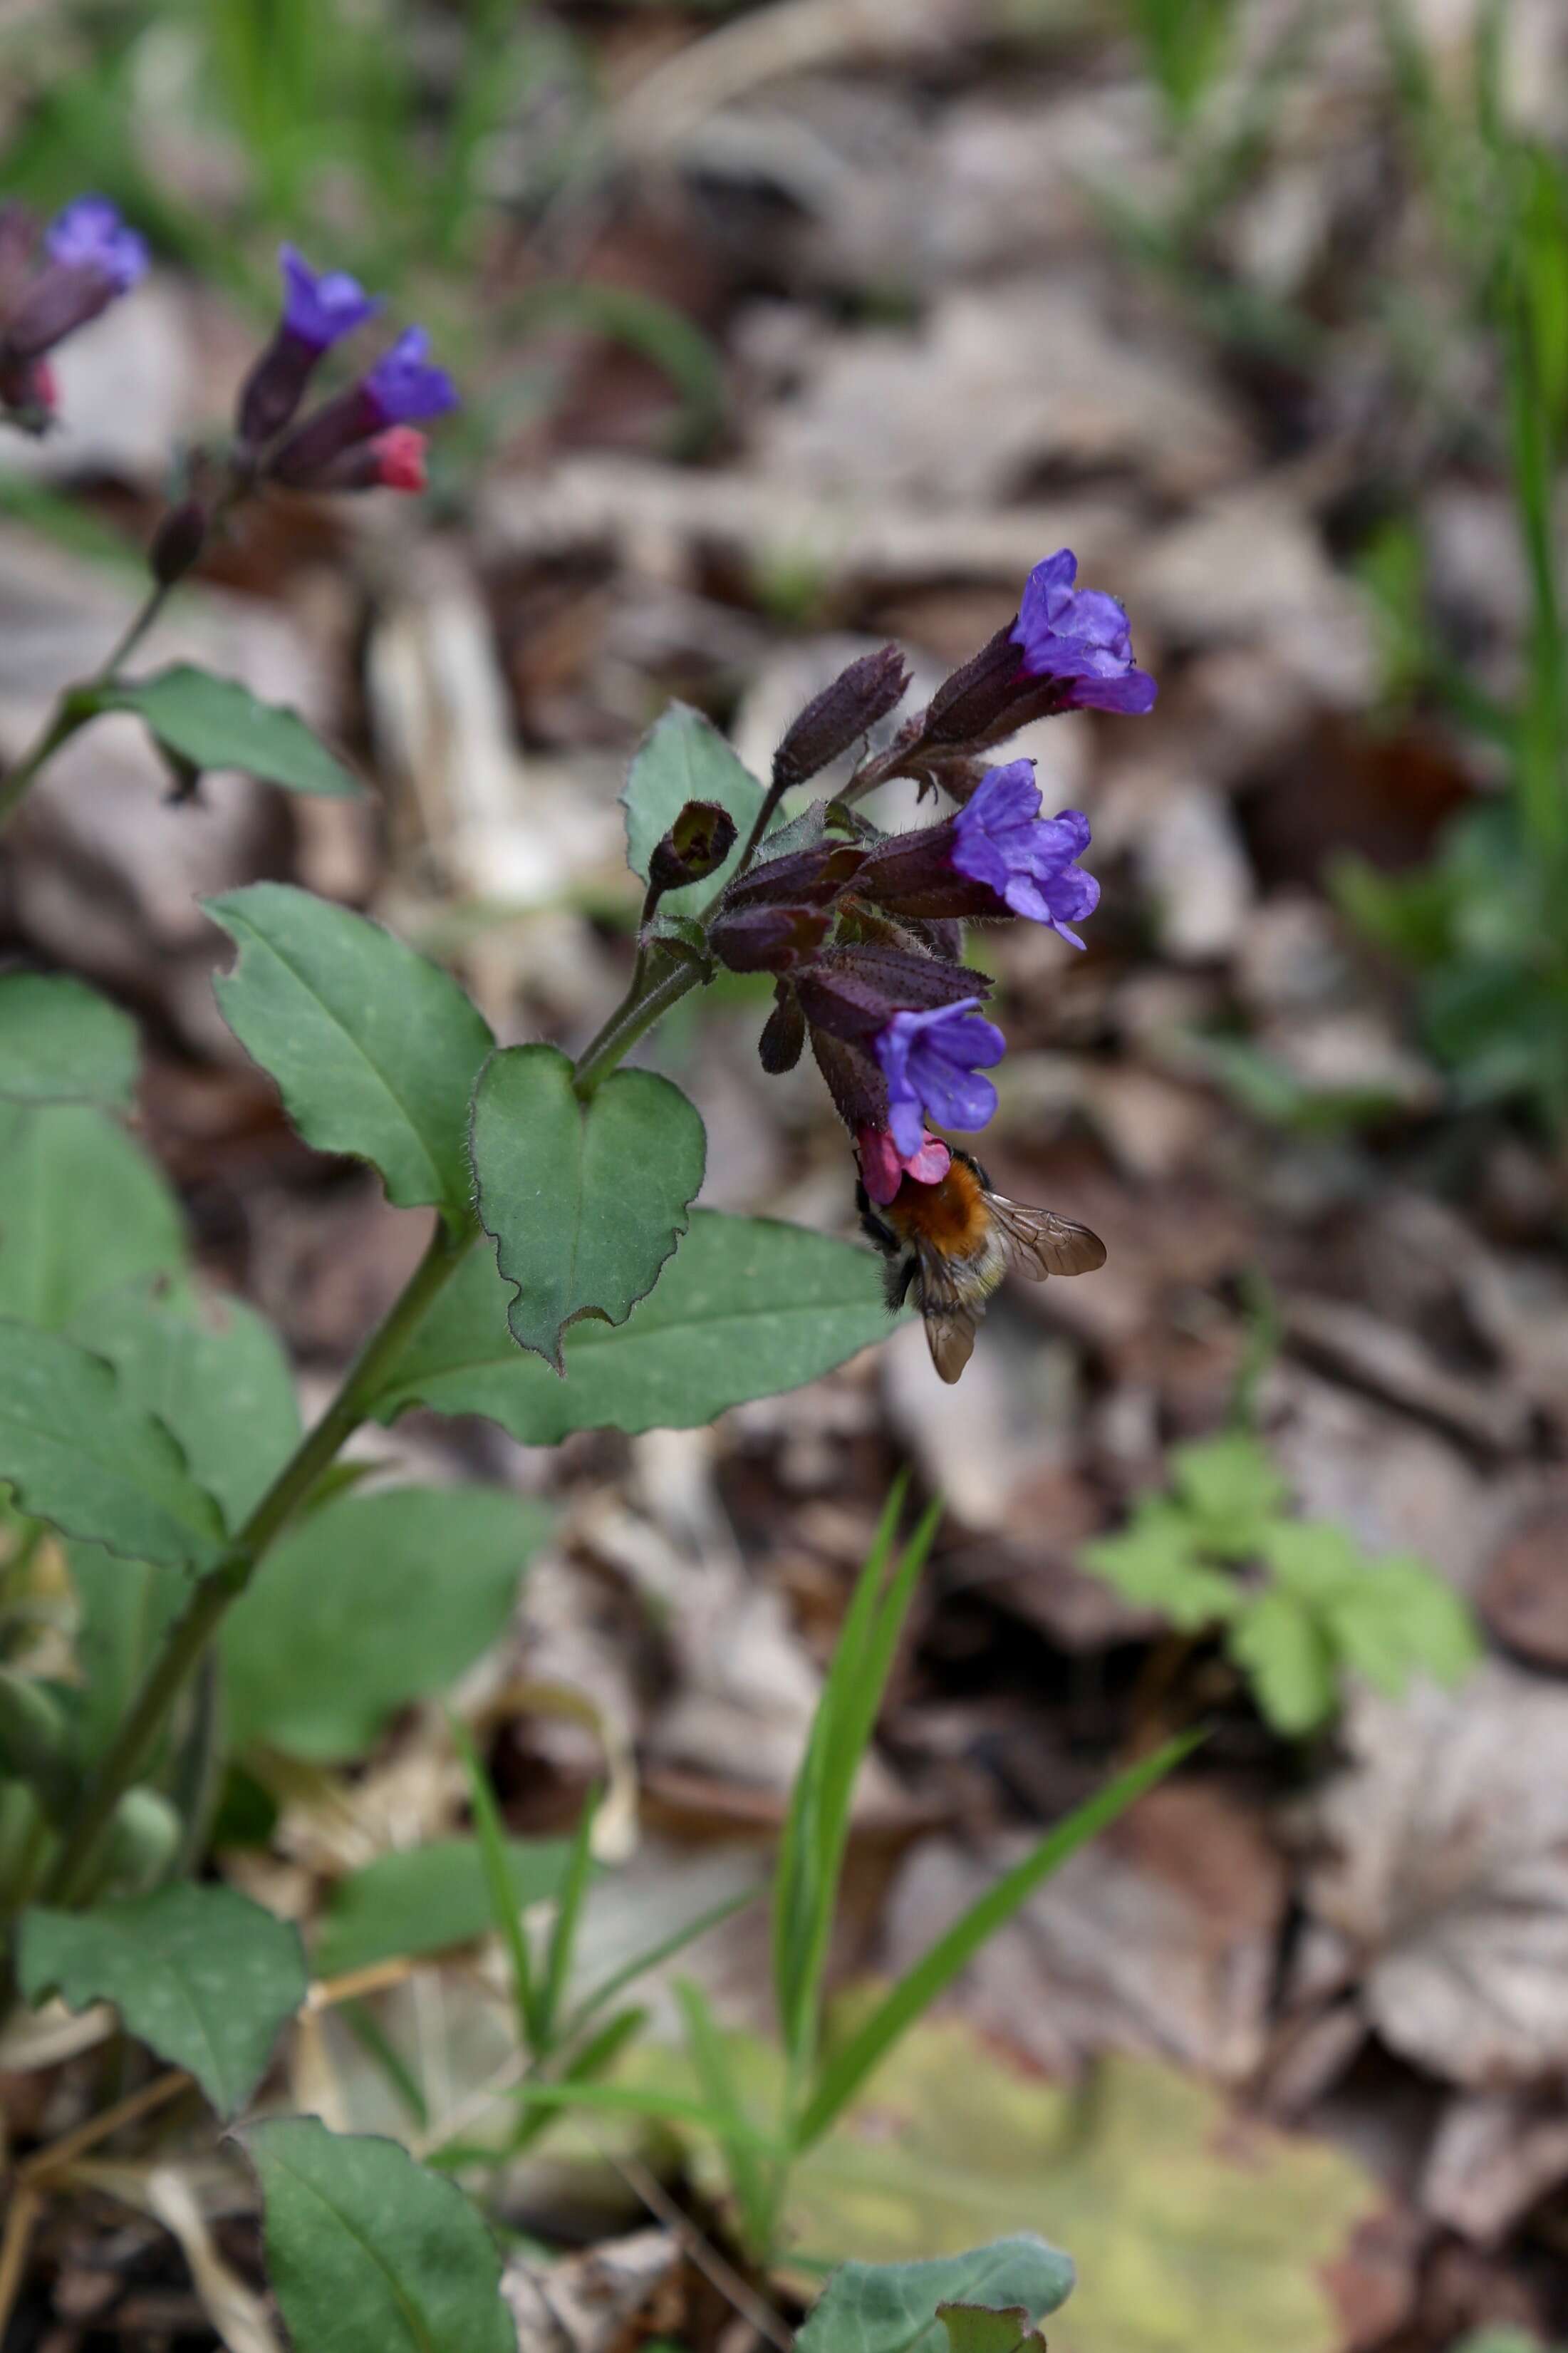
(747, 1307)
(216, 723)
(374, 1048)
(83, 1456)
(371, 1602)
(1155, 1563)
(585, 1201)
(370, 2252)
(683, 758)
(981, 2329)
(83, 1211)
(428, 1898)
(1288, 1658)
(61, 1042)
(214, 1372)
(202, 1975)
(893, 2308)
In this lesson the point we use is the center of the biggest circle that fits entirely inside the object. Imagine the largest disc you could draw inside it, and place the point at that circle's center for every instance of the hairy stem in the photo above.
(221, 1586)
(188, 1640)
(74, 707)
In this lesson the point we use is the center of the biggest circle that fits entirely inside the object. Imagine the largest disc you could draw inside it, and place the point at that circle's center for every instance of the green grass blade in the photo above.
(713, 2072)
(595, 2058)
(639, 2100)
(504, 1910)
(795, 1893)
(854, 1721)
(653, 1958)
(568, 1912)
(847, 2070)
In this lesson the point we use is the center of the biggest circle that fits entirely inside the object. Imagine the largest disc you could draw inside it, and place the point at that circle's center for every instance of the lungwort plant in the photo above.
(237, 1606)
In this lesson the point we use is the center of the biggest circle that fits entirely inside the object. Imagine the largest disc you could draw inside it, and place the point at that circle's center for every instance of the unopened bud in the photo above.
(783, 1033)
(853, 992)
(696, 845)
(840, 716)
(810, 878)
(178, 542)
(29, 394)
(768, 939)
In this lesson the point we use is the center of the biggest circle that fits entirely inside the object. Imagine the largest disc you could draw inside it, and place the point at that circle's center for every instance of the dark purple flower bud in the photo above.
(696, 845)
(402, 385)
(319, 309)
(178, 542)
(977, 702)
(28, 394)
(768, 939)
(1080, 635)
(858, 1090)
(18, 237)
(812, 878)
(932, 1063)
(93, 258)
(840, 716)
(1000, 839)
(854, 992)
(783, 1033)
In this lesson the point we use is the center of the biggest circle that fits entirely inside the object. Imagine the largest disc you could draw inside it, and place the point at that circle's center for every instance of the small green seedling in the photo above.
(1298, 1604)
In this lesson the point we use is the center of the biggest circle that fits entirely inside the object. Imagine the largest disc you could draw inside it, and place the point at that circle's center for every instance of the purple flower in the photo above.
(322, 307)
(403, 387)
(1079, 634)
(90, 235)
(929, 1061)
(1001, 839)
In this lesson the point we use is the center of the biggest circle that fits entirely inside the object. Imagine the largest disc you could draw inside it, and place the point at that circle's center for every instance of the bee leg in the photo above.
(897, 1277)
(872, 1226)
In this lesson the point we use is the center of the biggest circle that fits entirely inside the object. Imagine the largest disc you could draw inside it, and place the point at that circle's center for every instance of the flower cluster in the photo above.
(863, 931)
(87, 260)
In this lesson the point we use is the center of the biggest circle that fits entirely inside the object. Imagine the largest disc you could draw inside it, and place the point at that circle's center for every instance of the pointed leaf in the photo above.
(216, 723)
(893, 2308)
(202, 1975)
(747, 1307)
(374, 1048)
(61, 1042)
(683, 758)
(83, 1457)
(585, 1201)
(214, 1372)
(83, 1211)
(371, 1602)
(370, 2252)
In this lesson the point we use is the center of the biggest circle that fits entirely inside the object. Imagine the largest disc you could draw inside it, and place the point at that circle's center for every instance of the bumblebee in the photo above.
(948, 1245)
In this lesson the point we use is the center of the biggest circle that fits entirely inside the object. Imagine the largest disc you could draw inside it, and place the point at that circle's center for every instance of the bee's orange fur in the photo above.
(951, 1217)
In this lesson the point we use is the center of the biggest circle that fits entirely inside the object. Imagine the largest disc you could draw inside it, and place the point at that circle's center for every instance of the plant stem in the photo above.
(220, 1587)
(223, 1584)
(74, 707)
(637, 1011)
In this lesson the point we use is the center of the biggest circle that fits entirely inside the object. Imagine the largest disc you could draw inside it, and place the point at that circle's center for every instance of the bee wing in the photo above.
(1040, 1243)
(950, 1314)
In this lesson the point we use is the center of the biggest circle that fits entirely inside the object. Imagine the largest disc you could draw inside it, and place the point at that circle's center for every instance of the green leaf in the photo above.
(370, 2252)
(1231, 1490)
(371, 1602)
(980, 2328)
(585, 1201)
(202, 1975)
(125, 1606)
(1279, 1642)
(214, 1372)
(83, 1211)
(894, 2307)
(683, 758)
(1153, 1562)
(374, 1048)
(215, 722)
(847, 2067)
(1384, 1618)
(428, 1899)
(82, 1456)
(747, 1307)
(61, 1042)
